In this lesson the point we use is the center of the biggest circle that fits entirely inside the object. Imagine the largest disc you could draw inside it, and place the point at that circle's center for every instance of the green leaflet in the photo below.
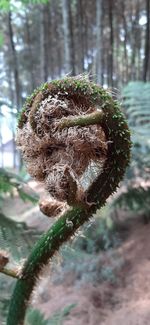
(10, 180)
(15, 237)
(34, 317)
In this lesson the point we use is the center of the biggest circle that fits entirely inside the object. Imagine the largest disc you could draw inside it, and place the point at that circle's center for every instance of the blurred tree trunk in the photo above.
(99, 41)
(10, 83)
(1, 152)
(147, 43)
(134, 39)
(51, 38)
(123, 13)
(111, 45)
(14, 63)
(68, 37)
(15, 153)
(80, 37)
(56, 39)
(12, 99)
(44, 42)
(30, 53)
(1, 143)
(117, 52)
(14, 67)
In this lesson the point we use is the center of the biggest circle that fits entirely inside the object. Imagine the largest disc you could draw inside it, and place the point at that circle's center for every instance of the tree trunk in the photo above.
(68, 37)
(15, 69)
(147, 45)
(111, 47)
(56, 43)
(30, 54)
(99, 41)
(125, 79)
(14, 64)
(44, 42)
(134, 40)
(80, 38)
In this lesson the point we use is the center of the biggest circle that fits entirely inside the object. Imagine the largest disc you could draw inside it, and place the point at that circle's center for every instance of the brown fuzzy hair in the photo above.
(50, 151)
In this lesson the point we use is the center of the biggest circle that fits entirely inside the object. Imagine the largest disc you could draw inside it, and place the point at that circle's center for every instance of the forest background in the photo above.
(42, 40)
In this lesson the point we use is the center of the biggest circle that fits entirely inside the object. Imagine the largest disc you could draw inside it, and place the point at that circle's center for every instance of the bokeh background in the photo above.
(102, 276)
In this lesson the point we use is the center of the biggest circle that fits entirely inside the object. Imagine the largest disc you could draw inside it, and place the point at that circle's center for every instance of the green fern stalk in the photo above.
(118, 156)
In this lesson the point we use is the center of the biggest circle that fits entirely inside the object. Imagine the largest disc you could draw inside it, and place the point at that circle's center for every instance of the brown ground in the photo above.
(126, 302)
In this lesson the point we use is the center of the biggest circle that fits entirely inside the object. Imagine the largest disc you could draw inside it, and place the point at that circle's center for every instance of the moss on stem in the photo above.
(82, 120)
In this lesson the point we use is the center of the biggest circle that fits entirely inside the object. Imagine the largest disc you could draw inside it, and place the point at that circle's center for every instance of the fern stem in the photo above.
(82, 120)
(45, 248)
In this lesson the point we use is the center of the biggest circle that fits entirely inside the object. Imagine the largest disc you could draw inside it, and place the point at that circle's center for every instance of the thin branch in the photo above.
(81, 120)
(9, 272)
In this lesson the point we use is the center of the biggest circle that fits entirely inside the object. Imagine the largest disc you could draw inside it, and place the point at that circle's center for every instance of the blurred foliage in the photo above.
(35, 317)
(6, 5)
(10, 181)
(136, 100)
(26, 2)
(85, 257)
(101, 235)
(79, 267)
(136, 196)
(135, 199)
(6, 288)
(16, 237)
(1, 39)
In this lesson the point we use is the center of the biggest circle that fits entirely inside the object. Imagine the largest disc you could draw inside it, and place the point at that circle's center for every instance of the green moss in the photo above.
(21, 118)
(44, 86)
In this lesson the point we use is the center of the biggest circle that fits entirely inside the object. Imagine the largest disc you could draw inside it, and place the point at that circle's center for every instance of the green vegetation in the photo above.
(136, 195)
(16, 239)
(10, 181)
(34, 317)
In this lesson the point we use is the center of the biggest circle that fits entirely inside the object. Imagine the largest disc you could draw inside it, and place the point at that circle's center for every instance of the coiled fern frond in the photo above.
(67, 129)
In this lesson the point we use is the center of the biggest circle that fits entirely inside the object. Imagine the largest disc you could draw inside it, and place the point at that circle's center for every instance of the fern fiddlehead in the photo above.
(65, 127)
